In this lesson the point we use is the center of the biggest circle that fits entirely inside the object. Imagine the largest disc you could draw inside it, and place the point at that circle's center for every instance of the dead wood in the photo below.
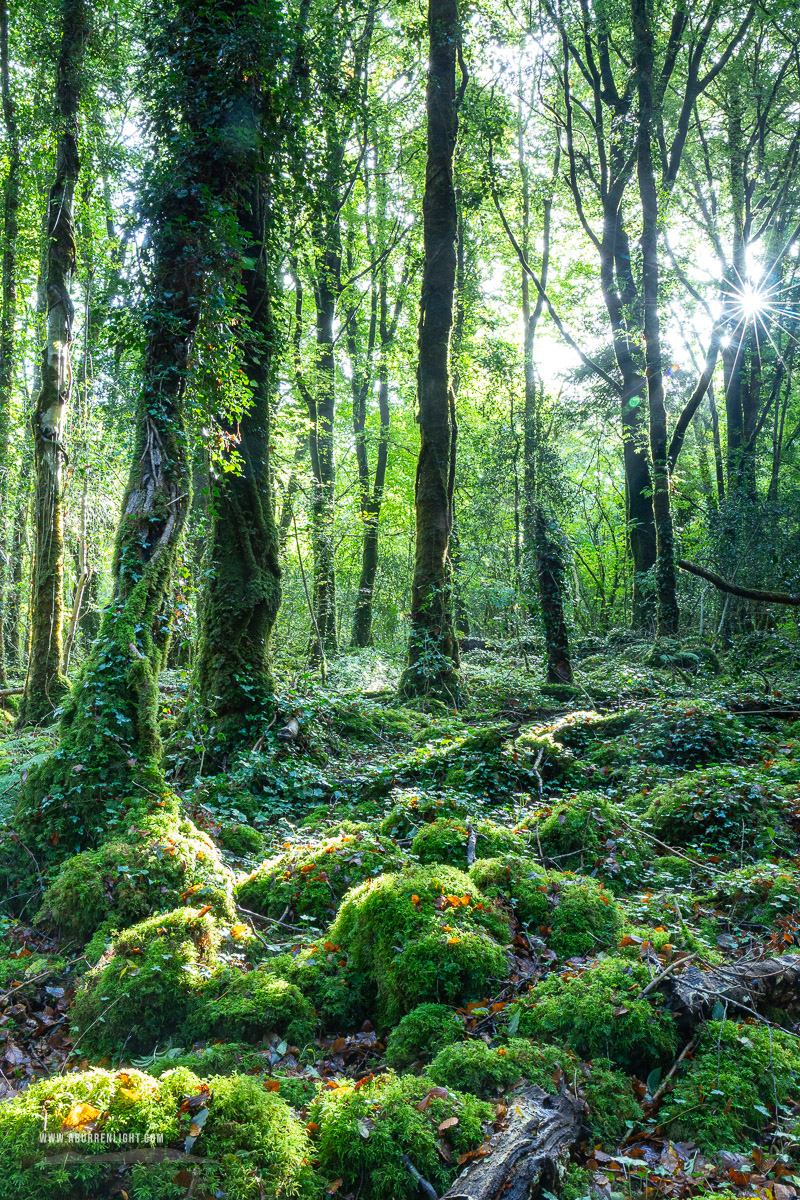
(747, 986)
(525, 1159)
(289, 731)
(735, 589)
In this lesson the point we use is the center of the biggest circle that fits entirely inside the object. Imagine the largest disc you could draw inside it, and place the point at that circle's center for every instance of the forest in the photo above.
(399, 597)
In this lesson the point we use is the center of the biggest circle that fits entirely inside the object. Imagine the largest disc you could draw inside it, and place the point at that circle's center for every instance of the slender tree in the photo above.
(433, 658)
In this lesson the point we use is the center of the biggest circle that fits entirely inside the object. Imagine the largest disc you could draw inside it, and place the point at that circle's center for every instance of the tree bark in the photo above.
(46, 686)
(432, 647)
(550, 575)
(11, 199)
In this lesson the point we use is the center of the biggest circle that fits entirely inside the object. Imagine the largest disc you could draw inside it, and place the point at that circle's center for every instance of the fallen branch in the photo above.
(736, 589)
(526, 1159)
(471, 840)
(14, 691)
(752, 985)
(421, 1182)
(289, 731)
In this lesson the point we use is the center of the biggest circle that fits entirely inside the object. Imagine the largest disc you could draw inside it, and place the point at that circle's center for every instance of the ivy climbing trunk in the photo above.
(108, 759)
(45, 684)
(11, 194)
(432, 646)
(666, 590)
(242, 590)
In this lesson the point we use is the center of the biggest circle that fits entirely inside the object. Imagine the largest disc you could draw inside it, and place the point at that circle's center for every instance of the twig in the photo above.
(471, 840)
(269, 920)
(422, 1183)
(677, 962)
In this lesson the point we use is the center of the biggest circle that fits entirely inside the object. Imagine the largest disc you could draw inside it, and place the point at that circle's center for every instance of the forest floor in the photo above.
(334, 965)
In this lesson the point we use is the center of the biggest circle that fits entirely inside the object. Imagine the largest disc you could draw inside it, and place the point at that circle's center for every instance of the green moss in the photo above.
(613, 1107)
(146, 985)
(249, 1005)
(311, 879)
(161, 861)
(241, 840)
(421, 1033)
(598, 1014)
(725, 811)
(486, 1070)
(445, 841)
(669, 869)
(576, 915)
(255, 1147)
(729, 1094)
(588, 833)
(365, 1130)
(760, 893)
(426, 933)
(413, 808)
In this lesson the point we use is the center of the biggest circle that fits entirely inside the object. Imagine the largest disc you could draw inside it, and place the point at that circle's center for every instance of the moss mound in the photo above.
(144, 987)
(486, 1070)
(421, 1034)
(426, 933)
(599, 1014)
(248, 1005)
(241, 840)
(723, 811)
(573, 913)
(588, 833)
(760, 893)
(250, 1144)
(364, 1131)
(311, 879)
(161, 861)
(445, 841)
(412, 808)
(740, 1077)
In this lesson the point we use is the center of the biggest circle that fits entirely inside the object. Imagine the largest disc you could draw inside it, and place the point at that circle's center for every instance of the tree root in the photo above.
(526, 1158)
(746, 986)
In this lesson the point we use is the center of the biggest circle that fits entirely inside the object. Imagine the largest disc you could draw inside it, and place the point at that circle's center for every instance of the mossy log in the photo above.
(747, 986)
(526, 1158)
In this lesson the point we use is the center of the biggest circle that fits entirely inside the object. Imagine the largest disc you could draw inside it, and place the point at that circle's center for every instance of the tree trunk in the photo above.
(323, 450)
(432, 647)
(243, 592)
(108, 759)
(550, 574)
(666, 591)
(9, 303)
(46, 686)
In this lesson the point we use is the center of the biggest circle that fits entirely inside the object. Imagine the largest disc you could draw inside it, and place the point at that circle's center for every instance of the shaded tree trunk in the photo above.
(45, 685)
(11, 196)
(550, 574)
(432, 647)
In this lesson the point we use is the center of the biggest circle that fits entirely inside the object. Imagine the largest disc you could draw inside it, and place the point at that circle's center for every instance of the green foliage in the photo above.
(486, 1070)
(598, 1014)
(246, 1006)
(311, 879)
(255, 1147)
(365, 1130)
(445, 841)
(587, 833)
(420, 1035)
(760, 893)
(162, 860)
(729, 811)
(738, 1083)
(423, 934)
(241, 840)
(412, 808)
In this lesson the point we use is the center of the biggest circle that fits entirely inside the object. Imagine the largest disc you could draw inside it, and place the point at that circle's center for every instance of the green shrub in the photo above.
(727, 811)
(423, 934)
(445, 841)
(598, 1014)
(255, 1147)
(365, 1130)
(311, 879)
(161, 861)
(421, 1033)
(729, 1094)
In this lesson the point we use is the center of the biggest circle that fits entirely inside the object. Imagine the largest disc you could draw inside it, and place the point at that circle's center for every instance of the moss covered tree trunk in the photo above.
(109, 753)
(666, 589)
(242, 591)
(45, 685)
(11, 192)
(432, 646)
(550, 574)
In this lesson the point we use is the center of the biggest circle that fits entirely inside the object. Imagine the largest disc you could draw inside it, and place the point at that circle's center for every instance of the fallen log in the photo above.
(526, 1158)
(746, 986)
(289, 731)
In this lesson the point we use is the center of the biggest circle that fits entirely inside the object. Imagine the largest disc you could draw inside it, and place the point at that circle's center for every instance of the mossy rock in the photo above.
(162, 861)
(598, 1013)
(342, 995)
(421, 1034)
(241, 840)
(726, 811)
(488, 1070)
(445, 841)
(588, 833)
(729, 1094)
(692, 733)
(147, 984)
(251, 1144)
(481, 763)
(363, 1131)
(248, 1005)
(669, 870)
(413, 808)
(426, 933)
(573, 913)
(311, 879)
